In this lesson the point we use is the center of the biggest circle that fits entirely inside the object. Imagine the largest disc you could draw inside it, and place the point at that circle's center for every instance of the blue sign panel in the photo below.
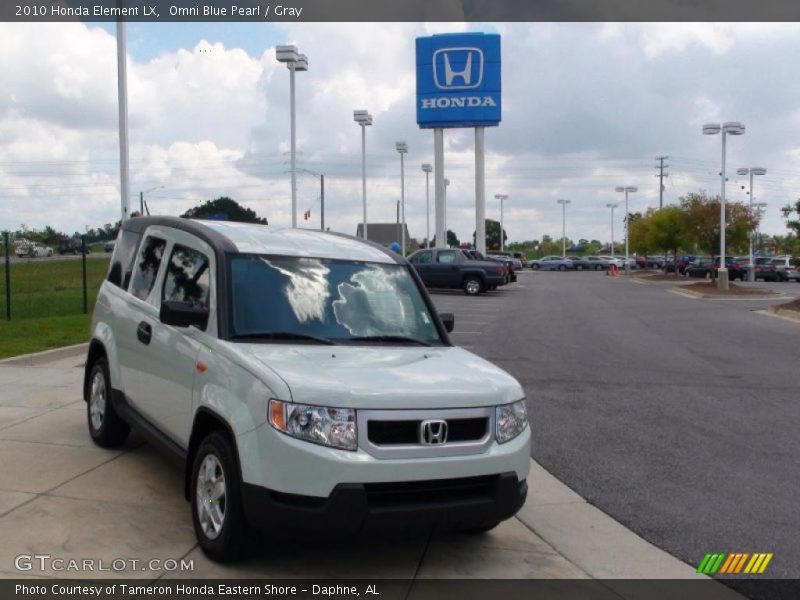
(458, 80)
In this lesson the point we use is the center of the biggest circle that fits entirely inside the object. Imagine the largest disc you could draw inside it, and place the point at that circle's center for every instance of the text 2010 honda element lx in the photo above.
(304, 380)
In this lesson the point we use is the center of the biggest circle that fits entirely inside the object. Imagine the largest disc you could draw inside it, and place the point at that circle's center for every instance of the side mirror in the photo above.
(183, 314)
(448, 320)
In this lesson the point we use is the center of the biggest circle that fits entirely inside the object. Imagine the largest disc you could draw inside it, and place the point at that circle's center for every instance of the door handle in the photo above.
(144, 332)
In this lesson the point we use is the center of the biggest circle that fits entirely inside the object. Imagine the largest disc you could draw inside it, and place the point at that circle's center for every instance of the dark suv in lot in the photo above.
(451, 268)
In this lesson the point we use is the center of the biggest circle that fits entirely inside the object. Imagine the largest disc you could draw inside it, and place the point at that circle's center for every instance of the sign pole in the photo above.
(480, 192)
(438, 178)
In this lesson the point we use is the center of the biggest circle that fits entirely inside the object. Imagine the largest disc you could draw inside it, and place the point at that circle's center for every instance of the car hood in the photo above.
(372, 376)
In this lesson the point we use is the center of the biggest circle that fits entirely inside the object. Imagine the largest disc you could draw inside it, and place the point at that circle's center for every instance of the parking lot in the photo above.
(674, 415)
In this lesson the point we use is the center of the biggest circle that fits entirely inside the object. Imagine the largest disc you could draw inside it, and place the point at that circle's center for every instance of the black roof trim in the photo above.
(215, 239)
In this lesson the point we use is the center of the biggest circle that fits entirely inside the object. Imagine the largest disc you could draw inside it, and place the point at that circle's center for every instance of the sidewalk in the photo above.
(63, 496)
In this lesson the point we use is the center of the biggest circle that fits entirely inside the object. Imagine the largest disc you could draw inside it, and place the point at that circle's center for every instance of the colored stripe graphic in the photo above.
(711, 563)
(734, 563)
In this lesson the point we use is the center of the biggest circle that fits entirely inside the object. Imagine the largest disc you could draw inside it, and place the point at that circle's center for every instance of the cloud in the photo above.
(586, 108)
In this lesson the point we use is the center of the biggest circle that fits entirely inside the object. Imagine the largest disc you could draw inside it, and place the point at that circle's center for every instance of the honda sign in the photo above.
(458, 80)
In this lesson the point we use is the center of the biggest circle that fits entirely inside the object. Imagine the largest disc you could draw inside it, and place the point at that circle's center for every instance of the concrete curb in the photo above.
(701, 296)
(46, 356)
(791, 315)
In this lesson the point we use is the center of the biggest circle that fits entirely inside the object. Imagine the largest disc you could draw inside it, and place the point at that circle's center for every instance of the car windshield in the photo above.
(323, 300)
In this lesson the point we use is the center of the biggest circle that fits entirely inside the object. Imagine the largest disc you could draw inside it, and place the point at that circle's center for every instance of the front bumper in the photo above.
(351, 508)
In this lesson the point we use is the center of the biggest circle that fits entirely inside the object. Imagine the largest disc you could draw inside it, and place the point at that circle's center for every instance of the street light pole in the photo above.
(402, 148)
(563, 204)
(732, 128)
(751, 273)
(364, 119)
(502, 198)
(612, 206)
(627, 189)
(427, 169)
(294, 62)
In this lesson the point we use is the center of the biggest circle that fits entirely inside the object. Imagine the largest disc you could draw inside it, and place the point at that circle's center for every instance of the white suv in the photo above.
(304, 381)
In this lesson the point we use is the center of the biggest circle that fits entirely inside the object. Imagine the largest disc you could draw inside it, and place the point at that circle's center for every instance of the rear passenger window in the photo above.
(446, 258)
(146, 268)
(119, 273)
(187, 278)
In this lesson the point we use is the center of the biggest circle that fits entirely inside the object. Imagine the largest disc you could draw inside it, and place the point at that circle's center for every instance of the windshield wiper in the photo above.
(284, 335)
(388, 338)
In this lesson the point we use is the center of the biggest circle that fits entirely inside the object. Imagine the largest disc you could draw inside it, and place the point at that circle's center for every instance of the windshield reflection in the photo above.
(307, 298)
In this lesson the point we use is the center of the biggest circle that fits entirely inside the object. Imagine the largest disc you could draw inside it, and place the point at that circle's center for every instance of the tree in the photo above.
(492, 235)
(702, 227)
(668, 230)
(639, 233)
(792, 223)
(224, 209)
(452, 240)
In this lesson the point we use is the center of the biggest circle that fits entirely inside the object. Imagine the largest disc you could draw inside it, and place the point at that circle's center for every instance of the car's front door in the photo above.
(445, 270)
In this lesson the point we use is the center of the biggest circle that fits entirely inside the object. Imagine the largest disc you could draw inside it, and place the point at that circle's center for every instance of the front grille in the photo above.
(431, 493)
(389, 433)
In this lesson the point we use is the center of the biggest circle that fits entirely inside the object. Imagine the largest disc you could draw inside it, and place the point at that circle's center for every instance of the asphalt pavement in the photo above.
(677, 417)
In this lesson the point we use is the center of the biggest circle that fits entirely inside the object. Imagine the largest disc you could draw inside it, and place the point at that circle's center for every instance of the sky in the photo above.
(586, 107)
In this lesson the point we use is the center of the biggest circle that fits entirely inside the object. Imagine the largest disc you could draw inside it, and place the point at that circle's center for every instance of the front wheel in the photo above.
(535, 267)
(217, 513)
(562, 268)
(472, 286)
(598, 267)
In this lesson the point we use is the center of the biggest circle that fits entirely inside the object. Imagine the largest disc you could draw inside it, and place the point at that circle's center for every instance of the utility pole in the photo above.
(661, 174)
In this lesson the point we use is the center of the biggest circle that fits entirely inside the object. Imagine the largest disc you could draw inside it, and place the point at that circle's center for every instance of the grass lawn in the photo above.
(47, 304)
(21, 336)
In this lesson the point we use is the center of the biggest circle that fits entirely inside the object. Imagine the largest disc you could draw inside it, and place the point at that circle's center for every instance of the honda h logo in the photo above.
(458, 68)
(432, 433)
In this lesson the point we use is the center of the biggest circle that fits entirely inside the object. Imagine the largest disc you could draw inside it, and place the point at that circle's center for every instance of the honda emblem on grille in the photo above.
(433, 432)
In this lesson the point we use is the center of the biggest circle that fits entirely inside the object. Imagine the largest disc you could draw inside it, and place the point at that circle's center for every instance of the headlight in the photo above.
(511, 420)
(334, 427)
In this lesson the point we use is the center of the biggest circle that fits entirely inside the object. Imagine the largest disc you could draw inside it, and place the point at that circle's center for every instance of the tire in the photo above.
(106, 427)
(535, 267)
(472, 286)
(216, 497)
(598, 267)
(562, 268)
(480, 529)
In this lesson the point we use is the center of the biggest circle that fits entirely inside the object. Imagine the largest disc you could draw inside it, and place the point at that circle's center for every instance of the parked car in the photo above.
(109, 246)
(650, 262)
(69, 246)
(705, 268)
(766, 270)
(598, 263)
(33, 250)
(580, 263)
(701, 267)
(785, 267)
(315, 395)
(523, 262)
(508, 261)
(450, 268)
(612, 260)
(551, 263)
